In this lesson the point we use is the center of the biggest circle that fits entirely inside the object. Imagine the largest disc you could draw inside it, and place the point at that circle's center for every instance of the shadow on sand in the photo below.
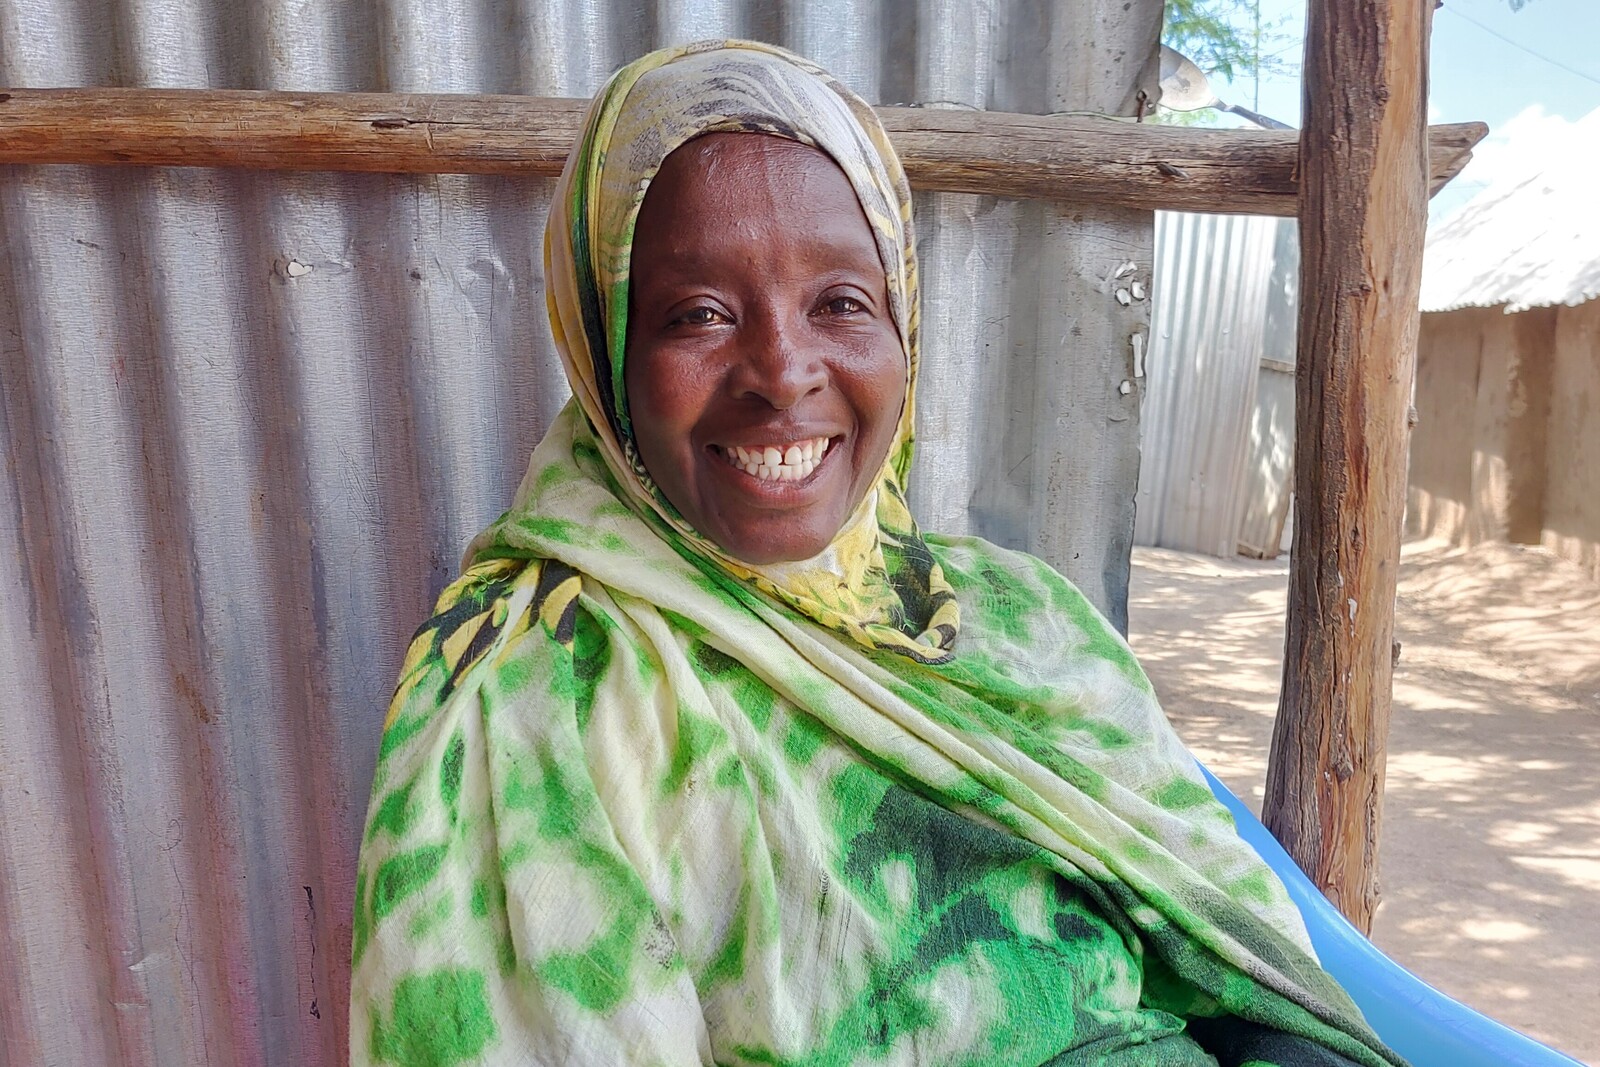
(1491, 852)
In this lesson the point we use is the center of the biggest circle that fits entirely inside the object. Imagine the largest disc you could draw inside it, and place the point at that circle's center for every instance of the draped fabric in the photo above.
(910, 802)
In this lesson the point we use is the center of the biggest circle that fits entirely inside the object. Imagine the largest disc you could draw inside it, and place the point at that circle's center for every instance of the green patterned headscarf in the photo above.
(641, 803)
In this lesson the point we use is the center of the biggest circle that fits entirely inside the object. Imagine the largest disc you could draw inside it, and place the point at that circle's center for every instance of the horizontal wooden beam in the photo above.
(1086, 159)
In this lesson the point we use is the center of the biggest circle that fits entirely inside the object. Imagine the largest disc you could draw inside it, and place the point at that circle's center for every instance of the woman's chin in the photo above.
(766, 521)
(759, 545)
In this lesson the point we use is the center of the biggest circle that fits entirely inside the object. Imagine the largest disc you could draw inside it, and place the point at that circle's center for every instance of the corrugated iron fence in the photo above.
(1219, 407)
(249, 421)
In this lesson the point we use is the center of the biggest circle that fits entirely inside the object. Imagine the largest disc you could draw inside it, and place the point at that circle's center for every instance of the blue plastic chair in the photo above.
(1413, 1018)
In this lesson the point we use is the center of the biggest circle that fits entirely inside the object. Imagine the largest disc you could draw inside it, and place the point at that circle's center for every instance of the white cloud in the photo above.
(1520, 148)
(1532, 141)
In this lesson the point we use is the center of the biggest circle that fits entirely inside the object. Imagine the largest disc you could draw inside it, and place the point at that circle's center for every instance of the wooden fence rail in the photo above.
(1081, 158)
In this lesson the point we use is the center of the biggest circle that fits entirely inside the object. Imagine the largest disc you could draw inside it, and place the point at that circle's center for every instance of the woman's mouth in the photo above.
(791, 461)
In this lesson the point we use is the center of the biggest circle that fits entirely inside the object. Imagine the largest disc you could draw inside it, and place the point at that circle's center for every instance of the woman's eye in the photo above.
(702, 316)
(845, 305)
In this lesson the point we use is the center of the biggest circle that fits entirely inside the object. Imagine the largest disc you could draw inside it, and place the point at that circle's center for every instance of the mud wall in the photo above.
(1507, 441)
(1572, 490)
(1449, 349)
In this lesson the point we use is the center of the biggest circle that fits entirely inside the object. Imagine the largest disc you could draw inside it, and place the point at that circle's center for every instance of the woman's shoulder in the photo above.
(494, 604)
(976, 568)
(1017, 609)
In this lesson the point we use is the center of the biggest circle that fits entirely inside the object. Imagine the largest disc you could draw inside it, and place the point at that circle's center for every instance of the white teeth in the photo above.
(793, 463)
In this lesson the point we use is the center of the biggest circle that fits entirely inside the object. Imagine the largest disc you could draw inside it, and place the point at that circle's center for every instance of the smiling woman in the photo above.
(764, 369)
(711, 756)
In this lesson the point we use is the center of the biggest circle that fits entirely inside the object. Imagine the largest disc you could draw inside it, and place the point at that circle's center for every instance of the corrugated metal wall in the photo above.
(1269, 453)
(1223, 283)
(248, 422)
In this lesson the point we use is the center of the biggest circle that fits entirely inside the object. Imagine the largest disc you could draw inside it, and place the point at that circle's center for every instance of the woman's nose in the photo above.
(777, 365)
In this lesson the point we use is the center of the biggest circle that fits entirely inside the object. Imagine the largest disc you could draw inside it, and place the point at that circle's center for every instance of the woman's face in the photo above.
(764, 372)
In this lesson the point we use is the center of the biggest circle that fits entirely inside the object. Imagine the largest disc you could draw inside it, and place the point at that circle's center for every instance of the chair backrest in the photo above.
(1413, 1018)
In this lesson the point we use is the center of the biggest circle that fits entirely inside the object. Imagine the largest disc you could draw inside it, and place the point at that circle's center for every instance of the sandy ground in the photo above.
(1490, 869)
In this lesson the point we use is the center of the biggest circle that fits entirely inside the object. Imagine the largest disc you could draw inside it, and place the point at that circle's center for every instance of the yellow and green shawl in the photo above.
(911, 802)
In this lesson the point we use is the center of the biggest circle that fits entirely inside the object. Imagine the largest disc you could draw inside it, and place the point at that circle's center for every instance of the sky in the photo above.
(1482, 68)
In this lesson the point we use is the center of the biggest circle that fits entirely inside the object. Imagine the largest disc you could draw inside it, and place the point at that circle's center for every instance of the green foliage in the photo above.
(1228, 37)
(1206, 116)
(1207, 32)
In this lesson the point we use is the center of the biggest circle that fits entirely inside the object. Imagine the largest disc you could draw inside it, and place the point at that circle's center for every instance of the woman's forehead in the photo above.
(714, 198)
(765, 162)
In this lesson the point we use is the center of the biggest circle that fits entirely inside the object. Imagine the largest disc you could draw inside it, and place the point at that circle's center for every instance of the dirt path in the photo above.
(1491, 851)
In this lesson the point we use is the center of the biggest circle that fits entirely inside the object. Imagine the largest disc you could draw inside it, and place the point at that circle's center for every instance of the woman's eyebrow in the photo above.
(693, 267)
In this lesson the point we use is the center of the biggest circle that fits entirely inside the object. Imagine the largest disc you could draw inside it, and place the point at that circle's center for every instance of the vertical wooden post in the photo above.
(1363, 212)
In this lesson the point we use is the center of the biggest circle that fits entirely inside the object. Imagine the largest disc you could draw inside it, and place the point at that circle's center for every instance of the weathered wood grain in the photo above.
(1363, 212)
(1068, 158)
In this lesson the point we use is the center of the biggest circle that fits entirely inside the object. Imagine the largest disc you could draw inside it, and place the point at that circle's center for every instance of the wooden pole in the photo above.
(1363, 211)
(1078, 158)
